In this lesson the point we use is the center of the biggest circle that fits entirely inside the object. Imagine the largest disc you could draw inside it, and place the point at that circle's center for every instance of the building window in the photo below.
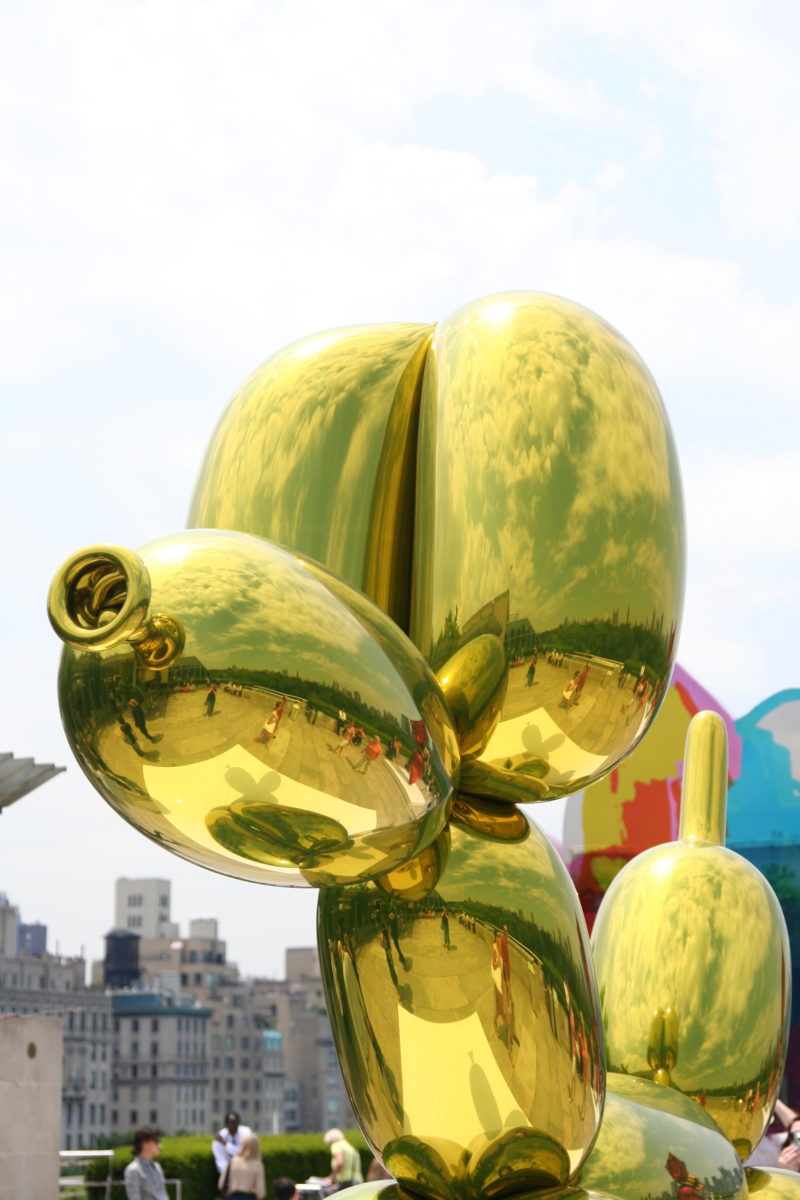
(135, 1025)
(153, 1115)
(134, 1117)
(154, 1025)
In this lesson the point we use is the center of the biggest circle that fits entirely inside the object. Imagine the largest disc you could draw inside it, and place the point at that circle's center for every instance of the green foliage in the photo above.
(293, 1155)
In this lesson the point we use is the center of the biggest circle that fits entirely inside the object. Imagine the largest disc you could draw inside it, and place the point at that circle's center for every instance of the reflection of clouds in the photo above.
(296, 455)
(523, 877)
(628, 1158)
(578, 471)
(246, 603)
(671, 933)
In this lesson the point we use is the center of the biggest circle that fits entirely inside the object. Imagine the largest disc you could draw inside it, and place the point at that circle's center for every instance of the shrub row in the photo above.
(294, 1155)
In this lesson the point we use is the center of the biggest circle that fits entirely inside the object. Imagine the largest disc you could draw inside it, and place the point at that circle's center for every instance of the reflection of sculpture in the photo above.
(503, 490)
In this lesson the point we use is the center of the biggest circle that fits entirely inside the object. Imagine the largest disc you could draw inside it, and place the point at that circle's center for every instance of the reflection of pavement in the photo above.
(445, 1013)
(300, 752)
(595, 725)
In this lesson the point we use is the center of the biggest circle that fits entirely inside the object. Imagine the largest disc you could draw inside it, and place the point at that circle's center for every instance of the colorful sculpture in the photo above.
(495, 500)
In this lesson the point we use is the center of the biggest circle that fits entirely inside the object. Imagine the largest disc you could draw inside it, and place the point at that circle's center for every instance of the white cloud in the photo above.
(192, 187)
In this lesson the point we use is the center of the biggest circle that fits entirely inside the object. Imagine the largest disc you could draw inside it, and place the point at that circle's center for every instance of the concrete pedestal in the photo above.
(30, 1104)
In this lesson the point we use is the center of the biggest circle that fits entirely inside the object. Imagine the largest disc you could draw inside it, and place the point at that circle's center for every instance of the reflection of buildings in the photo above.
(520, 638)
(492, 617)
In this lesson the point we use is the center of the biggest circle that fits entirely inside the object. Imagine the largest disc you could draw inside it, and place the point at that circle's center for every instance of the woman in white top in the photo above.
(244, 1179)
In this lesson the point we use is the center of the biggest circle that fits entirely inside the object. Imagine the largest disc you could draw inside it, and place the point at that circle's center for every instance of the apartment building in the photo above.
(160, 1064)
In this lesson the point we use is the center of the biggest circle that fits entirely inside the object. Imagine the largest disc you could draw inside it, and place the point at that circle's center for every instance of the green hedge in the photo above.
(294, 1155)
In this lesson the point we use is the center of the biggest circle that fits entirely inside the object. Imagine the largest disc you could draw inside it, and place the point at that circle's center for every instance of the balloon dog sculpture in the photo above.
(434, 573)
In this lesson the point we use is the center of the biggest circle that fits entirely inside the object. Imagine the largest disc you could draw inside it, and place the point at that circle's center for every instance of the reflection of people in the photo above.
(372, 751)
(345, 738)
(497, 980)
(531, 671)
(228, 1141)
(211, 698)
(580, 684)
(393, 749)
(243, 1178)
(417, 764)
(446, 929)
(270, 727)
(139, 721)
(568, 694)
(144, 1179)
(419, 731)
(129, 736)
(345, 1160)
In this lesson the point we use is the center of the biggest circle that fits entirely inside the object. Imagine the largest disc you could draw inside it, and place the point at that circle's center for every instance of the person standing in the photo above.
(345, 1161)
(228, 1141)
(244, 1176)
(143, 1178)
(211, 698)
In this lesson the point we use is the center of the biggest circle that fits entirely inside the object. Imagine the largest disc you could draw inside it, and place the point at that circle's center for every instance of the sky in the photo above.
(188, 187)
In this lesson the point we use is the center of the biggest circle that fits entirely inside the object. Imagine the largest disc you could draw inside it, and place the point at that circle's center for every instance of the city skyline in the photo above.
(287, 171)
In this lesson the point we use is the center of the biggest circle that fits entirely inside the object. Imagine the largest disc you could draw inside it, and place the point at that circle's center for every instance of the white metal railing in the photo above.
(74, 1158)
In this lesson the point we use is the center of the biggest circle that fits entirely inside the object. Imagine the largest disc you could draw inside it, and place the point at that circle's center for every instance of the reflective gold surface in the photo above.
(241, 756)
(654, 1138)
(100, 598)
(474, 682)
(693, 932)
(549, 515)
(466, 1020)
(775, 1184)
(316, 452)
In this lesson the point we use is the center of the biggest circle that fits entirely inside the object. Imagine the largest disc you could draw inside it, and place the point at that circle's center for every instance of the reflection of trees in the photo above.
(634, 645)
(328, 698)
